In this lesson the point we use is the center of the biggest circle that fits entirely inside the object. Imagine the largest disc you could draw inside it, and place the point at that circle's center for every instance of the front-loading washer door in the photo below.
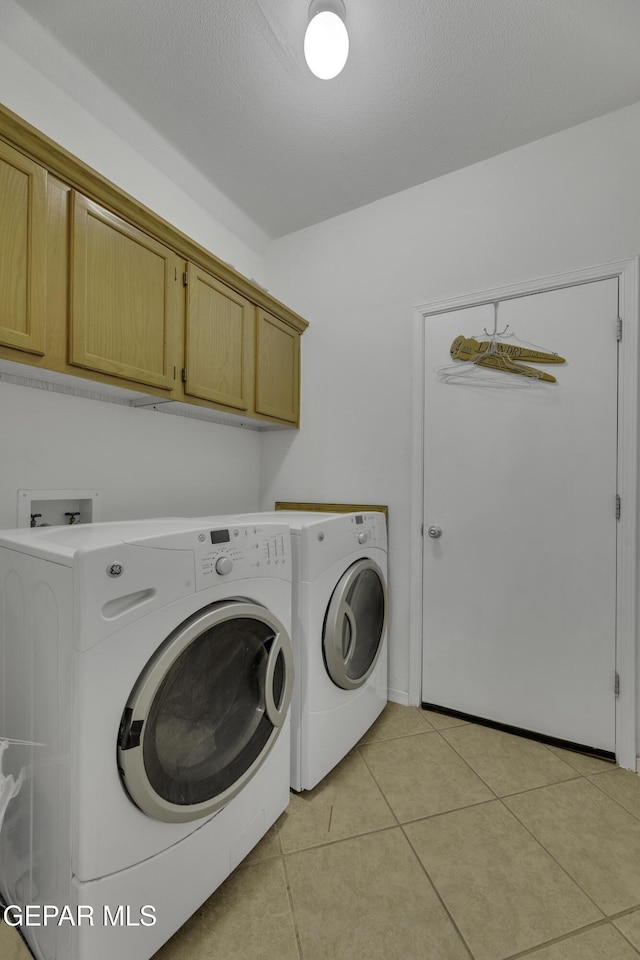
(354, 624)
(206, 711)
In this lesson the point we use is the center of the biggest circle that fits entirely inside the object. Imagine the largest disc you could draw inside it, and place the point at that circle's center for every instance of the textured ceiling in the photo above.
(430, 86)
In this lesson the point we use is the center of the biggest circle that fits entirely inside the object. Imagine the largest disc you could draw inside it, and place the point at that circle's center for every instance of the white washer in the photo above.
(152, 662)
(339, 634)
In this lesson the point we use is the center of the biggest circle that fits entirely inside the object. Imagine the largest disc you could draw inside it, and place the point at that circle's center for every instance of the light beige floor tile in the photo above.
(505, 893)
(247, 918)
(368, 898)
(346, 803)
(268, 847)
(440, 721)
(582, 762)
(600, 943)
(506, 763)
(397, 720)
(11, 944)
(622, 786)
(595, 840)
(422, 775)
(630, 927)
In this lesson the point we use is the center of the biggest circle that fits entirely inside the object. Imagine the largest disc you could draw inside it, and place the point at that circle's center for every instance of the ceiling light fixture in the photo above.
(326, 42)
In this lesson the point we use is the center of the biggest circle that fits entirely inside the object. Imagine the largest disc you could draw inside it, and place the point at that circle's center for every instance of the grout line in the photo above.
(624, 913)
(332, 843)
(467, 764)
(570, 754)
(548, 852)
(606, 921)
(626, 940)
(277, 829)
(542, 786)
(438, 895)
(445, 813)
(292, 909)
(604, 792)
(382, 793)
(400, 736)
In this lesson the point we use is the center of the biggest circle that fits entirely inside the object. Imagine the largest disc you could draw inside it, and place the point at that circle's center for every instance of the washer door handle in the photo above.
(351, 620)
(277, 713)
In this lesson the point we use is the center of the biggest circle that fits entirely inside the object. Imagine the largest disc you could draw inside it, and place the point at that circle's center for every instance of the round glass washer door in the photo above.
(354, 625)
(206, 711)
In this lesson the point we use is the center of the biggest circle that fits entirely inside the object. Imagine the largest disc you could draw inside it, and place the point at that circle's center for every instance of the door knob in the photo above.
(434, 532)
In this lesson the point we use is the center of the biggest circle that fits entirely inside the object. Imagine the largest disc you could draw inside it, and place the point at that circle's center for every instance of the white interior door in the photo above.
(519, 593)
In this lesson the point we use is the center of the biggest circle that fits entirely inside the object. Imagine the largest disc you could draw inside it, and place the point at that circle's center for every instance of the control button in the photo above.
(363, 537)
(224, 565)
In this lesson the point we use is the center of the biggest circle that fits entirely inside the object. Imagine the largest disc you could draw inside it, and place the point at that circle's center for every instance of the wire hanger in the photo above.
(497, 355)
(494, 333)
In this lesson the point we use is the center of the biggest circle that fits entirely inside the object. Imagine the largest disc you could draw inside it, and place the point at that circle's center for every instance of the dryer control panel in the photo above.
(240, 551)
(369, 528)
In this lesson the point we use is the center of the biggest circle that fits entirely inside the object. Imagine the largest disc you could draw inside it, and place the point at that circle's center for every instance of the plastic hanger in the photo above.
(495, 354)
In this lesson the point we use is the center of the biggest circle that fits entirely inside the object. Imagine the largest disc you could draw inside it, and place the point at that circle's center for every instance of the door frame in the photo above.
(627, 273)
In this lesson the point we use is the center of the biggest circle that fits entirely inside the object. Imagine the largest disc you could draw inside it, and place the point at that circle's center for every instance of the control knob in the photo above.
(224, 565)
(363, 537)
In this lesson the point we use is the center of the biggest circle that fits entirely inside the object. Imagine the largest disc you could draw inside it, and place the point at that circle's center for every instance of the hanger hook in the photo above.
(494, 332)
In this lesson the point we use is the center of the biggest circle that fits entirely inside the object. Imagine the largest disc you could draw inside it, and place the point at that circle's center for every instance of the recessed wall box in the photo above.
(49, 508)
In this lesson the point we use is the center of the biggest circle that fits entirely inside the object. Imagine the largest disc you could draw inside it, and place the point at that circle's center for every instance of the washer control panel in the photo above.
(243, 550)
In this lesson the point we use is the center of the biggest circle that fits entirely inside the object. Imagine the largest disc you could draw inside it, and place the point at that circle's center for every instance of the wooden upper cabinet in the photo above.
(106, 275)
(125, 302)
(277, 368)
(218, 342)
(23, 251)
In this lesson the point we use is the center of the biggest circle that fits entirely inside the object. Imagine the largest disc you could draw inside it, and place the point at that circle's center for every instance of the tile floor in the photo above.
(436, 839)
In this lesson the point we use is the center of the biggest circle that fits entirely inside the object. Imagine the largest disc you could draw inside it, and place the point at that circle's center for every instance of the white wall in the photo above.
(146, 464)
(45, 85)
(562, 203)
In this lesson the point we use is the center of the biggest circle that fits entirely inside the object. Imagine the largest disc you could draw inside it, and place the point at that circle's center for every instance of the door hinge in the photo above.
(619, 328)
(184, 374)
(616, 685)
(618, 506)
(185, 279)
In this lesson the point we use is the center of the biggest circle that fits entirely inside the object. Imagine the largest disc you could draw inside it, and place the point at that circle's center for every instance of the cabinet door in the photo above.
(219, 341)
(23, 225)
(277, 369)
(125, 298)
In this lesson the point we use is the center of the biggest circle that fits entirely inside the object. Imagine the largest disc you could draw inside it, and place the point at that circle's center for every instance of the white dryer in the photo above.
(149, 663)
(339, 634)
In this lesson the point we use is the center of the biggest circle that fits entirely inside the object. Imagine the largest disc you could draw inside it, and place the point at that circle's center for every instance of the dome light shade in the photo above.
(326, 42)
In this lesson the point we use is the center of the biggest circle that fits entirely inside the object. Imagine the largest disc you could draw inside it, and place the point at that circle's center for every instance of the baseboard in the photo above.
(398, 696)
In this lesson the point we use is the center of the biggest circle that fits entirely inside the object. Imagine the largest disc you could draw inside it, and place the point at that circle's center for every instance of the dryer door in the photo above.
(354, 624)
(206, 711)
